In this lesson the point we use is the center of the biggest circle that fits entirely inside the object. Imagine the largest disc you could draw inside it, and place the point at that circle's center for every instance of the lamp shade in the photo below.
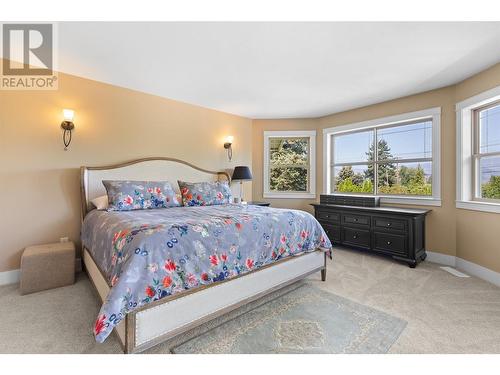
(242, 172)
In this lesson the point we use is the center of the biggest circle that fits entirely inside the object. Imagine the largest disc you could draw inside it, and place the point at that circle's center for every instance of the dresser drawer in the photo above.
(349, 219)
(388, 242)
(356, 237)
(389, 223)
(328, 216)
(332, 231)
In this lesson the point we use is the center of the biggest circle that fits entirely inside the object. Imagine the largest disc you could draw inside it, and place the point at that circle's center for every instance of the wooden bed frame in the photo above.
(169, 317)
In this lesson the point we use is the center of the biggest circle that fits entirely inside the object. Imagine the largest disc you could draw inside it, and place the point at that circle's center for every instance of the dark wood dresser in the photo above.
(397, 232)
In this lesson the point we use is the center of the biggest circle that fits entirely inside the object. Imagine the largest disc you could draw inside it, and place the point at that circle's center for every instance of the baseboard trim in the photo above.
(478, 271)
(9, 277)
(447, 260)
(470, 268)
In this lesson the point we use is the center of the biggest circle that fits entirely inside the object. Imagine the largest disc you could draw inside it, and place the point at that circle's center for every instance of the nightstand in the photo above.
(264, 204)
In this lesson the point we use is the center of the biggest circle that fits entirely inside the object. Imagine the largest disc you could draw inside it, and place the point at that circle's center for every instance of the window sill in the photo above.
(479, 206)
(290, 195)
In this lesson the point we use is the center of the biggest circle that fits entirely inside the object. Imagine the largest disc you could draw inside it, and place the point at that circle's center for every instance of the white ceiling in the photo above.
(278, 70)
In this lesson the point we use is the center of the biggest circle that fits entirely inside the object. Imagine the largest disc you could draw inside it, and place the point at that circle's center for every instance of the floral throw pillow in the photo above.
(139, 195)
(205, 193)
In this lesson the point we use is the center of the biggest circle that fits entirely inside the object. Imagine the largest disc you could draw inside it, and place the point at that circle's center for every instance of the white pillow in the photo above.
(101, 203)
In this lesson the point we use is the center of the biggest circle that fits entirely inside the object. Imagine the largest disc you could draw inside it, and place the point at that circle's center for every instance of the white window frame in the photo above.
(466, 176)
(431, 113)
(311, 134)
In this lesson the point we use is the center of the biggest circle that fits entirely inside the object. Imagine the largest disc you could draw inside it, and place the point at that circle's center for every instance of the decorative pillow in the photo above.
(101, 203)
(205, 193)
(139, 195)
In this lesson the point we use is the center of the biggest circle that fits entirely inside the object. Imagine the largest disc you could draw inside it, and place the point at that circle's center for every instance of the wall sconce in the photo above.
(67, 125)
(228, 146)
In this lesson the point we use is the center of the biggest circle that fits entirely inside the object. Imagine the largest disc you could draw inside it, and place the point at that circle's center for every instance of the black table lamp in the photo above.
(241, 173)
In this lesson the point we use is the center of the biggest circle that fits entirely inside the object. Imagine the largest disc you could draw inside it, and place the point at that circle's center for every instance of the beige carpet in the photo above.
(445, 313)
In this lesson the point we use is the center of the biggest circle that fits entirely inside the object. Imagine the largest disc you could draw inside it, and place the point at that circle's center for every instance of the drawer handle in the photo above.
(355, 219)
(388, 224)
(355, 236)
(389, 242)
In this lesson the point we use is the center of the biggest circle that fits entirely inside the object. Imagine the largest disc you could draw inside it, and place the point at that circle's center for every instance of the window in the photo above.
(478, 152)
(486, 154)
(402, 164)
(396, 158)
(289, 164)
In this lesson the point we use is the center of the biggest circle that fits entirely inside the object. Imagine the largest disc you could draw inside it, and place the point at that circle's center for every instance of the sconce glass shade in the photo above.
(229, 139)
(68, 115)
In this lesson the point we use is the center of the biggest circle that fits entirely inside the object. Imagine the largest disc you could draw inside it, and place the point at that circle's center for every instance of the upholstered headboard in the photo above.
(147, 169)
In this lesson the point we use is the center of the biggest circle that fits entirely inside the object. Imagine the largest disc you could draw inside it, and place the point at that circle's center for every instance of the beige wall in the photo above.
(39, 181)
(467, 234)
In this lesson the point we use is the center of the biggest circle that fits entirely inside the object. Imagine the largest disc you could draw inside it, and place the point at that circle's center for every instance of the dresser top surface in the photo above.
(383, 209)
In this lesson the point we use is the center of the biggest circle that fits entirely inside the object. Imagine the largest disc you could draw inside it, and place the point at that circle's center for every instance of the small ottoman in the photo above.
(47, 266)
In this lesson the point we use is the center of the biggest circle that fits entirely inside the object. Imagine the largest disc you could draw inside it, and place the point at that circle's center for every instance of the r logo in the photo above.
(27, 49)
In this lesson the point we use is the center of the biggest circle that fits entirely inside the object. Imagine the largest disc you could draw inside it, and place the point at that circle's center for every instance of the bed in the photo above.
(163, 272)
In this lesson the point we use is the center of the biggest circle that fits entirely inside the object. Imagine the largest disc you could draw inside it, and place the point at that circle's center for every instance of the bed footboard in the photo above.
(164, 319)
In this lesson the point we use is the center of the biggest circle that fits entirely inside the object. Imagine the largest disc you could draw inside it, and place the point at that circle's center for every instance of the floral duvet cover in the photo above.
(147, 255)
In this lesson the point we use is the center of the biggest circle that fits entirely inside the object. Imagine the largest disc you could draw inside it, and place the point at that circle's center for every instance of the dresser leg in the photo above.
(323, 274)
(412, 263)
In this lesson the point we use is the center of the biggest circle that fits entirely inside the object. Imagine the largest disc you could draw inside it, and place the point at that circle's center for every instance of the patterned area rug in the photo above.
(306, 320)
